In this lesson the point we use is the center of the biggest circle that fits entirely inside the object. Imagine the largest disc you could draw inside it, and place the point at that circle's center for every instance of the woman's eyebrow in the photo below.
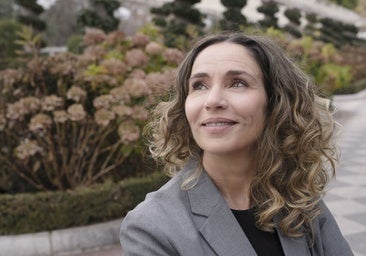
(228, 73)
(239, 72)
(198, 75)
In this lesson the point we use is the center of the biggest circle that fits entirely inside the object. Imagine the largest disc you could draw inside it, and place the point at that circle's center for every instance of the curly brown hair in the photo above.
(296, 150)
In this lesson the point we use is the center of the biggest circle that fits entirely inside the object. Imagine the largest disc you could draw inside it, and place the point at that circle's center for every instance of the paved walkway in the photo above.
(346, 197)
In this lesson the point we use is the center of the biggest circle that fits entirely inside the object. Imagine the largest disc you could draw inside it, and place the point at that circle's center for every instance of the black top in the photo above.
(264, 243)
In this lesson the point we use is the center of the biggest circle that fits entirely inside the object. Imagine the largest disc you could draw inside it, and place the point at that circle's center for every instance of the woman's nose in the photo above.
(215, 99)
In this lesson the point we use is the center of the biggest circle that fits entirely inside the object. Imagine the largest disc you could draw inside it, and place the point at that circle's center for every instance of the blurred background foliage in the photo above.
(69, 120)
(72, 117)
(101, 61)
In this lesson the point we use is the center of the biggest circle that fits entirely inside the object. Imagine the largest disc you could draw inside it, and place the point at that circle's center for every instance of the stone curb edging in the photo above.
(347, 103)
(355, 96)
(61, 242)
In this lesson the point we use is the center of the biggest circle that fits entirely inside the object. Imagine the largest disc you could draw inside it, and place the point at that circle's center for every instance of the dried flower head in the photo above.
(26, 149)
(154, 48)
(173, 56)
(40, 122)
(136, 58)
(37, 65)
(8, 77)
(16, 111)
(115, 38)
(114, 67)
(76, 93)
(140, 113)
(128, 132)
(92, 53)
(160, 82)
(60, 116)
(140, 40)
(103, 117)
(120, 94)
(136, 88)
(50, 103)
(122, 110)
(103, 101)
(64, 64)
(76, 112)
(31, 104)
(137, 73)
(93, 36)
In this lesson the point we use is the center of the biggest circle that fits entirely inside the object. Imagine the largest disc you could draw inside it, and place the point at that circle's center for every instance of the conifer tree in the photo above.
(232, 17)
(100, 15)
(294, 16)
(269, 9)
(175, 17)
(29, 14)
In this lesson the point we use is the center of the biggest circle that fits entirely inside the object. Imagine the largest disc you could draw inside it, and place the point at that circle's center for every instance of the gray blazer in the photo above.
(198, 222)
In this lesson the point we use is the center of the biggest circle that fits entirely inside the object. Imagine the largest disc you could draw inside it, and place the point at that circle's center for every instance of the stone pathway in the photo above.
(346, 197)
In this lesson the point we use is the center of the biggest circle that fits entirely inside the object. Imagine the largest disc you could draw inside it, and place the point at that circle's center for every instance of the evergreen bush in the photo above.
(8, 46)
(32, 10)
(338, 33)
(179, 21)
(26, 213)
(100, 15)
(293, 15)
(293, 30)
(232, 16)
(75, 44)
(269, 9)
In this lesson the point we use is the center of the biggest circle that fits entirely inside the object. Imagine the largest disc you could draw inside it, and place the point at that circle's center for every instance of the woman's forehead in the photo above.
(225, 56)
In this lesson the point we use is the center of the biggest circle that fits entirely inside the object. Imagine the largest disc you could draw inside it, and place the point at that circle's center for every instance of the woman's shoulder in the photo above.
(163, 200)
(170, 196)
(328, 236)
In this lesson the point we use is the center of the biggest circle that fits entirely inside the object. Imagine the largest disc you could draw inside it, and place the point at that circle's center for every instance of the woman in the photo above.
(248, 143)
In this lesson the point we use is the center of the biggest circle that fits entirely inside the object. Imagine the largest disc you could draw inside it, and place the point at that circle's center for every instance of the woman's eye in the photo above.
(198, 86)
(238, 83)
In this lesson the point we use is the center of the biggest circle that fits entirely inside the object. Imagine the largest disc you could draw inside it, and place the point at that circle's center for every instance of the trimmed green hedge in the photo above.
(43, 211)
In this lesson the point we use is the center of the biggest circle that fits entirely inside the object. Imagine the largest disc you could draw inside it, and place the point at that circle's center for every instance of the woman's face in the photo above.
(226, 101)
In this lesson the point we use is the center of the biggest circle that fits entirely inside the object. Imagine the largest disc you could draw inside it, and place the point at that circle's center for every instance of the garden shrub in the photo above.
(68, 120)
(354, 56)
(269, 9)
(323, 62)
(337, 32)
(293, 30)
(75, 44)
(99, 14)
(8, 46)
(179, 21)
(233, 19)
(294, 15)
(45, 211)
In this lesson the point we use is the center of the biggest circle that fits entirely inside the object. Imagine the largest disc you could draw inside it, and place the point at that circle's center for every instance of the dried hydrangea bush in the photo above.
(67, 120)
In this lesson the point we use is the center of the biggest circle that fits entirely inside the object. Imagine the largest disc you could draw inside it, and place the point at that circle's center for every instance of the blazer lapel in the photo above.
(215, 220)
(293, 245)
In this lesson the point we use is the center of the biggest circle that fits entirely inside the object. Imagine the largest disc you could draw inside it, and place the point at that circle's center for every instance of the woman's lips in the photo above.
(218, 122)
(218, 125)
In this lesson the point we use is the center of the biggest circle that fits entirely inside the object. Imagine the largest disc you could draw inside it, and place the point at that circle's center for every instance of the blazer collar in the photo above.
(218, 225)
(216, 222)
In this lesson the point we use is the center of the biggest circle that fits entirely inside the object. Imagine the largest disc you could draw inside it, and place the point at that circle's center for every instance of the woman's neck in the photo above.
(232, 176)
